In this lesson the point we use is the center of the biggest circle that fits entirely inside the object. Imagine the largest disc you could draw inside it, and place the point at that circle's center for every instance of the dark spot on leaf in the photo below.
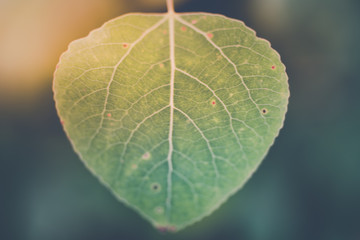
(155, 187)
(273, 67)
(264, 111)
(125, 45)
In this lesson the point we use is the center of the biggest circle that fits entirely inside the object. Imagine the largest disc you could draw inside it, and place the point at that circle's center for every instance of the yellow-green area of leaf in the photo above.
(172, 112)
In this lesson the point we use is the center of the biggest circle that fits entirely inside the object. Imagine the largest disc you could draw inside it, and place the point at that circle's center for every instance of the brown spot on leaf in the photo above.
(159, 210)
(146, 156)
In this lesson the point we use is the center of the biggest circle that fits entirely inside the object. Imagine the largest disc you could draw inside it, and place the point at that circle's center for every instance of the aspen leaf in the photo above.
(172, 112)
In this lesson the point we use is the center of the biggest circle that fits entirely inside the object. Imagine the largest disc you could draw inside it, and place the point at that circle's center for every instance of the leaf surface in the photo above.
(172, 112)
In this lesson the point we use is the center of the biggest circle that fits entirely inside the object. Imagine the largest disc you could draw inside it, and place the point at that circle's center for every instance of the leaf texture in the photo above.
(172, 112)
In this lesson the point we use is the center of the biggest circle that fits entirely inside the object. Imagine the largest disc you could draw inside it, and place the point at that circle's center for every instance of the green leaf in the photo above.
(172, 112)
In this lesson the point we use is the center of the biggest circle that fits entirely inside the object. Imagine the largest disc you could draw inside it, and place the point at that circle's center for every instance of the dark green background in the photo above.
(306, 188)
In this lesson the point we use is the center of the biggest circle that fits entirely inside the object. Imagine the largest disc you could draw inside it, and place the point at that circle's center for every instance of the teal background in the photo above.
(306, 188)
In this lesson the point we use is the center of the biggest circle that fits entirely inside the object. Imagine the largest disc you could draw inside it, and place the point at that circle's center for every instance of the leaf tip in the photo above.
(165, 229)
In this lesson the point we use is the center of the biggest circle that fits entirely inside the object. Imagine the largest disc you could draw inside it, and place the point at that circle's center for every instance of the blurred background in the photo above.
(308, 186)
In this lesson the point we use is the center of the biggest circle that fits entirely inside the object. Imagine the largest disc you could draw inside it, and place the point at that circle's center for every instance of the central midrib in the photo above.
(171, 14)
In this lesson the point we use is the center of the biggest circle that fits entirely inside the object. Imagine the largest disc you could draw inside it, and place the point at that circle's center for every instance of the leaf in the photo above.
(172, 112)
